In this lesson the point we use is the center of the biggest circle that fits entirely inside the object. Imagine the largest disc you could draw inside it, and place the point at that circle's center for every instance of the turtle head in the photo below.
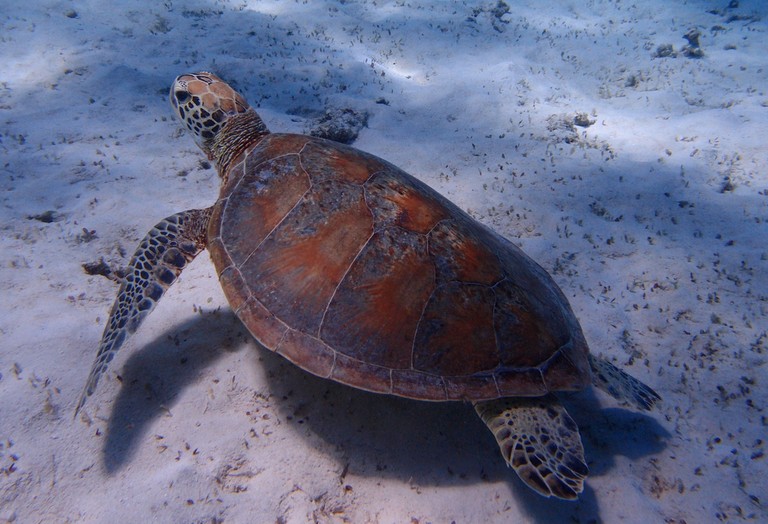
(205, 103)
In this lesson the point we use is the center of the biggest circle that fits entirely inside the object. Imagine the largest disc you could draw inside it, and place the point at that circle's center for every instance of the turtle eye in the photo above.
(181, 96)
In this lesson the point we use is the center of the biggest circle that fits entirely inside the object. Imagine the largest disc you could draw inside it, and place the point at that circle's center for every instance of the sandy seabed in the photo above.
(620, 144)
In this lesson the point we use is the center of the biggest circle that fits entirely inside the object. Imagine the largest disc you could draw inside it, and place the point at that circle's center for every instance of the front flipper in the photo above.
(159, 259)
(540, 441)
(620, 385)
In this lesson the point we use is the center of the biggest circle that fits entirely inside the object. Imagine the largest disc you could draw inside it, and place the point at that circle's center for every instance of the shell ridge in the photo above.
(291, 358)
(495, 331)
(250, 295)
(340, 282)
(282, 337)
(253, 298)
(390, 371)
(429, 233)
(547, 363)
(431, 295)
(496, 385)
(333, 364)
(277, 136)
(301, 151)
(281, 221)
(375, 173)
(445, 387)
(366, 195)
(270, 159)
(224, 203)
(543, 379)
(418, 322)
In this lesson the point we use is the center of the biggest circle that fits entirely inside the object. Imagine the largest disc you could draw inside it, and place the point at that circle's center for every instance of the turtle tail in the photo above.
(620, 385)
(157, 262)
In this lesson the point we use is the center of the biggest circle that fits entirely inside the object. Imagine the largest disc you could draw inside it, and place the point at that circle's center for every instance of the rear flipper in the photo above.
(159, 259)
(540, 441)
(620, 385)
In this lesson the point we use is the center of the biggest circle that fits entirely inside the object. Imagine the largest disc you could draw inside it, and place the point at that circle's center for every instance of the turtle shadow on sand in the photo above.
(418, 442)
(155, 375)
(381, 434)
(445, 443)
(607, 430)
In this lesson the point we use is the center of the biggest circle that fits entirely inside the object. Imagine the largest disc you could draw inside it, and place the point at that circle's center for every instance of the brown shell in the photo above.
(357, 272)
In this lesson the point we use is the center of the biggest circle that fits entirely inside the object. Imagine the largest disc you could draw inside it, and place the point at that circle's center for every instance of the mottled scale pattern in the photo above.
(540, 441)
(204, 104)
(325, 250)
(158, 260)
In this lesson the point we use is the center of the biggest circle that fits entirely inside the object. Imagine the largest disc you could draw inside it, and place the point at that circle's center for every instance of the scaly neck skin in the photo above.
(239, 132)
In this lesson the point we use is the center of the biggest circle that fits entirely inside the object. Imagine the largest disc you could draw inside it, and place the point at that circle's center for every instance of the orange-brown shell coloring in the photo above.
(358, 272)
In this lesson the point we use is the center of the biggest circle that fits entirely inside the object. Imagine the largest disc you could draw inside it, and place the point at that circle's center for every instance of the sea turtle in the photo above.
(358, 272)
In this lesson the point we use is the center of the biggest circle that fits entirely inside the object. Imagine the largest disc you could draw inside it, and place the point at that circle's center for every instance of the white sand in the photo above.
(196, 423)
